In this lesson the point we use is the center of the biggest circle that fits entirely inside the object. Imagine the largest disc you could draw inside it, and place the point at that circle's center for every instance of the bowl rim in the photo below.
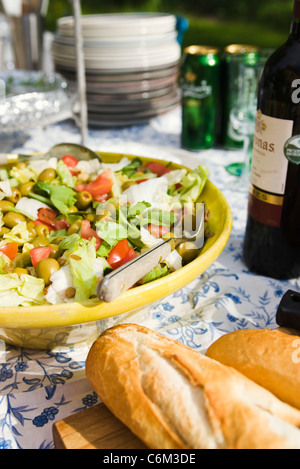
(75, 313)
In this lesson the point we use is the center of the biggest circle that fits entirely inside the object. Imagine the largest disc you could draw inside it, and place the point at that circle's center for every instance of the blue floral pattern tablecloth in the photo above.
(38, 388)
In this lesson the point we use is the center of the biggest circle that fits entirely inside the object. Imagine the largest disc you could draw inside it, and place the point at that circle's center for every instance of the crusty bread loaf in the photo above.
(271, 358)
(173, 397)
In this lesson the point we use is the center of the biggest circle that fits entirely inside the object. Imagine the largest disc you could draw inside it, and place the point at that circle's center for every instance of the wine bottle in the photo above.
(272, 237)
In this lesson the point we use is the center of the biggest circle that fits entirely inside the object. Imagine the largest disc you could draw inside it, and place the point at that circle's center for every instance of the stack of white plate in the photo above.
(131, 63)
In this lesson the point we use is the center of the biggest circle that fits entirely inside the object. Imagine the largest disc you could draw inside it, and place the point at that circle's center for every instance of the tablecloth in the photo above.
(38, 388)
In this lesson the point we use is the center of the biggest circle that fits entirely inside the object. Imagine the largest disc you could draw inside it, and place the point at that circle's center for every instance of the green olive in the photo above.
(45, 268)
(73, 209)
(91, 217)
(40, 241)
(20, 270)
(56, 251)
(15, 196)
(23, 260)
(31, 229)
(42, 230)
(4, 205)
(20, 165)
(57, 240)
(4, 230)
(170, 236)
(189, 223)
(104, 214)
(74, 228)
(188, 251)
(12, 219)
(84, 200)
(106, 209)
(26, 187)
(47, 175)
(127, 184)
(104, 218)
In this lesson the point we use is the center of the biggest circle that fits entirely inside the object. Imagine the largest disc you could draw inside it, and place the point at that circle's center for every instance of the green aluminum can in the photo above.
(200, 88)
(238, 87)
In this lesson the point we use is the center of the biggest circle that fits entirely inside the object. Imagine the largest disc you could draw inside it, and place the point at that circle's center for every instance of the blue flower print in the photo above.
(21, 366)
(5, 373)
(234, 298)
(5, 444)
(47, 414)
(90, 399)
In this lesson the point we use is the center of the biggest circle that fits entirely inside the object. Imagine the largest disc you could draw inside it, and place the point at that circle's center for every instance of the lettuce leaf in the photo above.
(21, 291)
(137, 209)
(192, 185)
(133, 233)
(69, 242)
(65, 174)
(158, 217)
(61, 197)
(82, 258)
(111, 232)
(131, 168)
(22, 174)
(18, 234)
(2, 264)
(156, 273)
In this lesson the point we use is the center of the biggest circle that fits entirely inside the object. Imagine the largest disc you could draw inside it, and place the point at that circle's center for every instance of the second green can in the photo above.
(200, 87)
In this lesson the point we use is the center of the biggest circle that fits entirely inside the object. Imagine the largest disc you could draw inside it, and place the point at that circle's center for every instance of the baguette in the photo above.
(270, 358)
(173, 397)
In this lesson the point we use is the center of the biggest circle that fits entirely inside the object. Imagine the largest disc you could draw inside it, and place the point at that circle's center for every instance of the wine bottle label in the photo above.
(269, 168)
(292, 149)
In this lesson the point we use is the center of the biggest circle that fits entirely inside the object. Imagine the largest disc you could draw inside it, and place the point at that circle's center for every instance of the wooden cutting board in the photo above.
(94, 428)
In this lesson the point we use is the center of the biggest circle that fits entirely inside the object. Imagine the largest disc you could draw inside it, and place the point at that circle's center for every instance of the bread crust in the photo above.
(268, 357)
(173, 397)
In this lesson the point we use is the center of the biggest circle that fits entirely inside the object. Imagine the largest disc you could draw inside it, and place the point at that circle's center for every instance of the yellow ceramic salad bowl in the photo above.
(47, 326)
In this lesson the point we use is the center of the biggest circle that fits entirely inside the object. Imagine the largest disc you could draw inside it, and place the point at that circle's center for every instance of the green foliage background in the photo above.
(216, 22)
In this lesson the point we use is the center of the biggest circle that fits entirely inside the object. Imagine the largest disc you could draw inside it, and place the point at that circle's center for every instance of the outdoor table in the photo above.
(38, 388)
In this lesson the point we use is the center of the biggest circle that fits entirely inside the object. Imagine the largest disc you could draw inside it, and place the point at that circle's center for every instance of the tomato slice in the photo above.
(129, 256)
(47, 216)
(80, 187)
(139, 181)
(61, 225)
(102, 185)
(157, 168)
(101, 198)
(10, 250)
(39, 253)
(120, 254)
(87, 232)
(70, 161)
(158, 230)
(38, 222)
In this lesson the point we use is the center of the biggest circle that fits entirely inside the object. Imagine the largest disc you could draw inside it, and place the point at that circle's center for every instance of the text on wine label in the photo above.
(296, 93)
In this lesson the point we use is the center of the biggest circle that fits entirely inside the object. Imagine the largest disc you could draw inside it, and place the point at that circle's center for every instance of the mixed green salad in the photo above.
(64, 223)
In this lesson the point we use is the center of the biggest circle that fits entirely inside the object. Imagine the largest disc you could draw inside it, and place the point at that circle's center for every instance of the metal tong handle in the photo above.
(120, 280)
(7, 158)
(123, 278)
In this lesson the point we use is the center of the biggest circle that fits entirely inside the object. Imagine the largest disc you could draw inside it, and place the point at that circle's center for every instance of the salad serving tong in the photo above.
(123, 278)
(79, 151)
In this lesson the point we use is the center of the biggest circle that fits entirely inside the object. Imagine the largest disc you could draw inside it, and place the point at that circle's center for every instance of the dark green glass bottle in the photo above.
(235, 55)
(200, 85)
(272, 238)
